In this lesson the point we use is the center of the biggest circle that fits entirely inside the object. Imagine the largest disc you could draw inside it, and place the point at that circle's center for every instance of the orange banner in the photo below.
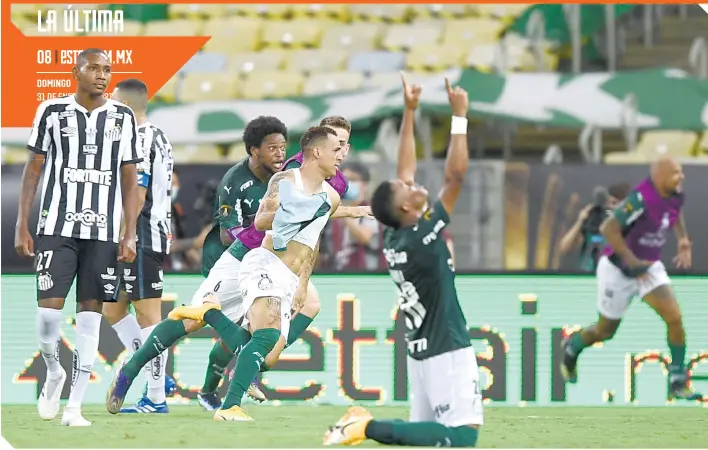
(38, 68)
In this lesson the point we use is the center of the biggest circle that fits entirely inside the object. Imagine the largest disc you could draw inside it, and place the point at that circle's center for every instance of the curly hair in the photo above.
(382, 205)
(260, 127)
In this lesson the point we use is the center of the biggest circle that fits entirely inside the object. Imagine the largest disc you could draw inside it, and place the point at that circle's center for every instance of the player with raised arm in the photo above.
(87, 144)
(446, 399)
(631, 266)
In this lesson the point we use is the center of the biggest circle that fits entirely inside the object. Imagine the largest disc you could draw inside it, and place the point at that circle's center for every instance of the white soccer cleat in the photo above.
(256, 394)
(72, 418)
(48, 407)
(350, 429)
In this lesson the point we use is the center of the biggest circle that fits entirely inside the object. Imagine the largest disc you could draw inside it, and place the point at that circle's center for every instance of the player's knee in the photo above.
(148, 311)
(673, 320)
(606, 329)
(465, 436)
(114, 312)
(51, 303)
(90, 306)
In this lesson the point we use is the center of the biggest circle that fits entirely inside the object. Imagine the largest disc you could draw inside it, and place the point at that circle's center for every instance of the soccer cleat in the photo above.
(71, 417)
(192, 312)
(255, 393)
(117, 391)
(680, 389)
(350, 429)
(210, 401)
(48, 407)
(233, 414)
(569, 363)
(147, 406)
(170, 387)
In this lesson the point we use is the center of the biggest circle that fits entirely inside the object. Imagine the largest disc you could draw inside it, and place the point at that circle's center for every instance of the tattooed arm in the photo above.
(271, 202)
(304, 275)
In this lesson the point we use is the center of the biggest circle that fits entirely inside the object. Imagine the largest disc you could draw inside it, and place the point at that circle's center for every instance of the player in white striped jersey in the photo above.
(142, 281)
(86, 146)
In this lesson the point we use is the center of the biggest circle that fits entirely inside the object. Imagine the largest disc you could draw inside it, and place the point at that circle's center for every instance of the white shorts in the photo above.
(223, 282)
(263, 274)
(615, 290)
(445, 389)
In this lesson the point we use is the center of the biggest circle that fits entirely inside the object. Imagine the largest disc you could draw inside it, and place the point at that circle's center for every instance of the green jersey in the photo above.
(235, 205)
(421, 266)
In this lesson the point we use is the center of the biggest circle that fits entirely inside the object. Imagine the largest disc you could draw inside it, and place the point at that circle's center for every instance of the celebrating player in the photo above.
(446, 400)
(631, 266)
(141, 281)
(87, 143)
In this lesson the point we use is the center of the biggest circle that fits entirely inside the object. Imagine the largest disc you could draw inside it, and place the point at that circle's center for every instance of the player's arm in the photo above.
(351, 212)
(621, 220)
(457, 154)
(680, 229)
(38, 145)
(406, 145)
(270, 203)
(304, 278)
(132, 154)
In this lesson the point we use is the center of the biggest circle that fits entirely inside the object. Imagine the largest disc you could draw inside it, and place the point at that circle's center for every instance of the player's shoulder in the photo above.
(283, 175)
(56, 104)
(120, 108)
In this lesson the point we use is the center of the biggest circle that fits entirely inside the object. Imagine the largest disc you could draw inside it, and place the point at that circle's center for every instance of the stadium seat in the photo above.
(355, 36)
(130, 28)
(395, 13)
(205, 62)
(404, 37)
(263, 61)
(292, 33)
(471, 31)
(196, 10)
(504, 11)
(325, 83)
(207, 87)
(675, 143)
(338, 12)
(232, 35)
(448, 11)
(374, 62)
(383, 80)
(269, 10)
(237, 151)
(177, 27)
(434, 58)
(626, 158)
(313, 61)
(199, 154)
(271, 85)
(489, 57)
(168, 92)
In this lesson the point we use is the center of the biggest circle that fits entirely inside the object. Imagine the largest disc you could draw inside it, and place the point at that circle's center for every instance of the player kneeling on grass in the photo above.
(446, 400)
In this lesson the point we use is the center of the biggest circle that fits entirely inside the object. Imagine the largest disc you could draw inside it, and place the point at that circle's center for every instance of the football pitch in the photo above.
(304, 426)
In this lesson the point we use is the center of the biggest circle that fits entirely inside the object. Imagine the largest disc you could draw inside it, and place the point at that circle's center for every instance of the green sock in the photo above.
(576, 343)
(165, 334)
(219, 358)
(298, 325)
(248, 363)
(678, 358)
(234, 336)
(420, 434)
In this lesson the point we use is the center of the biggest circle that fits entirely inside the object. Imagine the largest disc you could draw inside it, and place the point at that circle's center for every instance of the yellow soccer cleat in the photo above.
(351, 429)
(233, 414)
(192, 312)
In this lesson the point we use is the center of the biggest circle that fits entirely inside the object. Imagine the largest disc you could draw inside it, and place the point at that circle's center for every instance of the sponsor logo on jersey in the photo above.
(113, 134)
(88, 218)
(90, 149)
(114, 115)
(246, 185)
(102, 177)
(64, 114)
(68, 132)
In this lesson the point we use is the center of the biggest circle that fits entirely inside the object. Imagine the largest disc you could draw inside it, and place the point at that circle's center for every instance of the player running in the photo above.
(141, 282)
(446, 399)
(631, 266)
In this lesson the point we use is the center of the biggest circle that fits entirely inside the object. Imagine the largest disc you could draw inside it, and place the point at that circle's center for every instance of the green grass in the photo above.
(303, 426)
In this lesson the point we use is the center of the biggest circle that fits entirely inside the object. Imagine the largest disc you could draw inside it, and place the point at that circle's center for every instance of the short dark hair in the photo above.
(336, 122)
(83, 56)
(357, 168)
(619, 190)
(314, 137)
(256, 131)
(382, 205)
(134, 85)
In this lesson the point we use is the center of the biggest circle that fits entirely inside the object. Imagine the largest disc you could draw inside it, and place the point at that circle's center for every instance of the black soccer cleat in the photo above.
(569, 363)
(681, 391)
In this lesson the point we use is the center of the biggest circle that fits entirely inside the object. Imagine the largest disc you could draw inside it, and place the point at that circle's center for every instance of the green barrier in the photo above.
(354, 352)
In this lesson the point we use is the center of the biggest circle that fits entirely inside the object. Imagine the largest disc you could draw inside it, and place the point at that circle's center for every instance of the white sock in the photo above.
(155, 372)
(88, 328)
(129, 333)
(48, 333)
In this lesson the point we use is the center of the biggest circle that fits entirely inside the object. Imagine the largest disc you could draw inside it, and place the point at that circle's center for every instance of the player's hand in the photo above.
(363, 211)
(126, 249)
(24, 244)
(638, 267)
(683, 259)
(411, 94)
(459, 101)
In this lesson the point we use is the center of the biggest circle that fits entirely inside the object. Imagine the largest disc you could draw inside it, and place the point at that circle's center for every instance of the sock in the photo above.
(248, 363)
(678, 357)
(219, 358)
(165, 334)
(576, 344)
(88, 329)
(155, 371)
(297, 326)
(129, 333)
(48, 333)
(420, 434)
(234, 336)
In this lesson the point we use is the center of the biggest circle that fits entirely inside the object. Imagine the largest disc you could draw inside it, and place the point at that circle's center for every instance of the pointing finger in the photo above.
(447, 85)
(403, 79)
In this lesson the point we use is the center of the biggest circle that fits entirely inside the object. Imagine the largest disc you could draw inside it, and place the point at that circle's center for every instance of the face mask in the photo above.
(174, 193)
(353, 191)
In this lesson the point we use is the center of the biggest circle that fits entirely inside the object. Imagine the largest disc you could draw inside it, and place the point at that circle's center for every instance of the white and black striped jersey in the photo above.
(81, 192)
(155, 175)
